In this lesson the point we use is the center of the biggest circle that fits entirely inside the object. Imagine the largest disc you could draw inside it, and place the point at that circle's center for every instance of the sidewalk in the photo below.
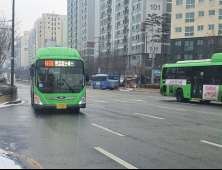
(7, 163)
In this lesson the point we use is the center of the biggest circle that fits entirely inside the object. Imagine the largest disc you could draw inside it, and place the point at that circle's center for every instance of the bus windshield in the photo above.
(60, 79)
(113, 78)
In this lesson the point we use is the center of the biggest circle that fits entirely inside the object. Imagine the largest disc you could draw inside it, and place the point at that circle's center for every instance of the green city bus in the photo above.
(58, 79)
(193, 80)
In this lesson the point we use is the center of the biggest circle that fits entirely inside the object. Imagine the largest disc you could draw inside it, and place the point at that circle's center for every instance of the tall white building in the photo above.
(83, 26)
(32, 46)
(51, 26)
(123, 27)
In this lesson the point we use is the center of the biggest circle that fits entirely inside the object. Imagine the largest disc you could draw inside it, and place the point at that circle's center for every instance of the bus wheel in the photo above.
(101, 87)
(93, 86)
(179, 95)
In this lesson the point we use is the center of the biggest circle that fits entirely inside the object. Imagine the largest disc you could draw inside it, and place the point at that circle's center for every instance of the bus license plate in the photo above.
(61, 106)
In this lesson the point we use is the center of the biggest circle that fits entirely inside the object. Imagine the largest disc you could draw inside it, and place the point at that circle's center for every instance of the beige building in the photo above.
(193, 23)
(51, 26)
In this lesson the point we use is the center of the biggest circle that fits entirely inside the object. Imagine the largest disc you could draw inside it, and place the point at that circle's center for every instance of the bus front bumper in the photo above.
(76, 106)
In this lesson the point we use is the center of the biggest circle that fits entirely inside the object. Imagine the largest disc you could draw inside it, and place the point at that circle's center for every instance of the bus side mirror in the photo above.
(87, 77)
(31, 70)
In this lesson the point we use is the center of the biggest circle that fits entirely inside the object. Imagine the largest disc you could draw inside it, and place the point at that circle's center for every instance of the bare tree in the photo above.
(211, 45)
(6, 36)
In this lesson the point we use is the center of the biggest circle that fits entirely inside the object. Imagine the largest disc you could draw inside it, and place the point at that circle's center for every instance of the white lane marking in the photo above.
(185, 103)
(93, 97)
(149, 116)
(99, 101)
(95, 105)
(120, 101)
(108, 130)
(171, 108)
(210, 143)
(113, 157)
(134, 100)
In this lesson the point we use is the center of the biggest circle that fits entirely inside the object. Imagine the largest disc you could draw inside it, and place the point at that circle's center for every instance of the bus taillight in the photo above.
(107, 83)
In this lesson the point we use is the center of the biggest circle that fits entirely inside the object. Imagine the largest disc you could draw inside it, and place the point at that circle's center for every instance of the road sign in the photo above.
(153, 68)
(157, 72)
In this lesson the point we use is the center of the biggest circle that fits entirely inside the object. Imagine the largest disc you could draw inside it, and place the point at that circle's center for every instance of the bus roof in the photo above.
(216, 60)
(56, 52)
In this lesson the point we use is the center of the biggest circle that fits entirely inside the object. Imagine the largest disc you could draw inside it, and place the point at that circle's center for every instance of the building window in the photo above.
(220, 13)
(201, 0)
(188, 46)
(178, 29)
(211, 27)
(190, 17)
(177, 57)
(211, 0)
(179, 2)
(211, 12)
(189, 31)
(199, 42)
(220, 29)
(190, 4)
(199, 56)
(178, 43)
(220, 2)
(201, 13)
(188, 57)
(200, 28)
(178, 16)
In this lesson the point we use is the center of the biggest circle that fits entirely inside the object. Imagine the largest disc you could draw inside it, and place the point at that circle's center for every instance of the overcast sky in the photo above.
(28, 11)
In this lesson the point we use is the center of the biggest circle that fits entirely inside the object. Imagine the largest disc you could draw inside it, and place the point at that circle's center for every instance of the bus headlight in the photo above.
(37, 100)
(83, 100)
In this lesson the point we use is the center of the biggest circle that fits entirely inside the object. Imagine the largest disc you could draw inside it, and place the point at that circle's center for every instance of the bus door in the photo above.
(197, 84)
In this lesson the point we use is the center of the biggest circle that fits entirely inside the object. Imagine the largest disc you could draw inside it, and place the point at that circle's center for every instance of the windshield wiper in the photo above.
(70, 88)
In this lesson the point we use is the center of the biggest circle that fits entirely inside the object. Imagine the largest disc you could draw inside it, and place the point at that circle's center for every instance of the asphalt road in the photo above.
(118, 129)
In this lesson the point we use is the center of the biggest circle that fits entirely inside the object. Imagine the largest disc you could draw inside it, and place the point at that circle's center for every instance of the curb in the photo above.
(14, 102)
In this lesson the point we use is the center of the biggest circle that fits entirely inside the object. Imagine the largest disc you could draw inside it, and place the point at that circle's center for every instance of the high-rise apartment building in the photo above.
(21, 51)
(51, 26)
(123, 27)
(32, 46)
(83, 26)
(196, 26)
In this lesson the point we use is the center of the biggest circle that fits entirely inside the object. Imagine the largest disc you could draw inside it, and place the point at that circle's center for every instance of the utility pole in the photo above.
(12, 57)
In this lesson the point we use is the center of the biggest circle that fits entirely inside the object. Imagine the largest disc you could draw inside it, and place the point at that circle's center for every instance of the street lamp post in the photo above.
(12, 57)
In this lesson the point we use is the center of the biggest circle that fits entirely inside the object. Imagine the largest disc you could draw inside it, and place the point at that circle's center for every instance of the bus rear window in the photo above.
(113, 78)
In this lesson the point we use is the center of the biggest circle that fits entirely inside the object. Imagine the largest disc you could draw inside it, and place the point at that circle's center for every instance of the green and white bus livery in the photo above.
(193, 80)
(58, 79)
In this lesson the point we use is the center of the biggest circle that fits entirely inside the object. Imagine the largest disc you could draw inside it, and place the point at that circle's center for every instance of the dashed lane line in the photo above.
(95, 105)
(210, 143)
(113, 157)
(149, 116)
(116, 133)
(171, 108)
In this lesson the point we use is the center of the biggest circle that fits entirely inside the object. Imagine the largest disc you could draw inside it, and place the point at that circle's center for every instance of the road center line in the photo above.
(108, 130)
(210, 143)
(149, 116)
(171, 108)
(120, 101)
(99, 101)
(95, 105)
(113, 157)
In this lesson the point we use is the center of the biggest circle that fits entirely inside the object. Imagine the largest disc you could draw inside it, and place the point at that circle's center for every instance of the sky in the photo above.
(28, 11)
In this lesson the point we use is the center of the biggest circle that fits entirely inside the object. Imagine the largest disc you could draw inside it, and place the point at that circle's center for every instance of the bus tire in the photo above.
(179, 95)
(93, 86)
(101, 87)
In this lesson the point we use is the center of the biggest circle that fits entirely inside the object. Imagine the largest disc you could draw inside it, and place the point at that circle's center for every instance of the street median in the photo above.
(8, 93)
